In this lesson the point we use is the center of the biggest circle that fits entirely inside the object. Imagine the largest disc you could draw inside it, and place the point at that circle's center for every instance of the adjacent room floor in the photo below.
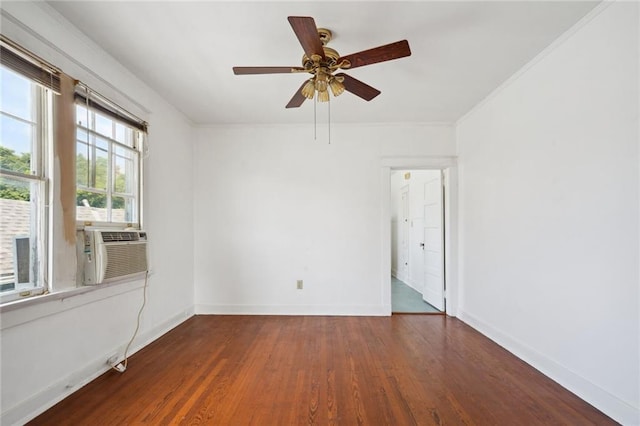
(406, 300)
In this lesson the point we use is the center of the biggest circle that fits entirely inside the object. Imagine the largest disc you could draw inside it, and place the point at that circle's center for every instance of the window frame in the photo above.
(138, 140)
(38, 180)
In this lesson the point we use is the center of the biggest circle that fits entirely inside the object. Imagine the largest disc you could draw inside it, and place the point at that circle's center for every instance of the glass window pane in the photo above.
(82, 164)
(131, 137)
(17, 96)
(18, 255)
(14, 189)
(15, 144)
(81, 116)
(82, 135)
(101, 169)
(124, 210)
(101, 143)
(104, 126)
(91, 206)
(121, 134)
(124, 172)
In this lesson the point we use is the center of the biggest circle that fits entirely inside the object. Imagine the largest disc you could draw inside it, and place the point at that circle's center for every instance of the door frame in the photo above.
(449, 166)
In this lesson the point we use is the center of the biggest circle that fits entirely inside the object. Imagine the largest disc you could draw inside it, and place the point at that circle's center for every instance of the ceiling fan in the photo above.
(322, 62)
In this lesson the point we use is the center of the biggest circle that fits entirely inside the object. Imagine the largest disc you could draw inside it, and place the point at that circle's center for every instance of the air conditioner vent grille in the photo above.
(119, 236)
(125, 259)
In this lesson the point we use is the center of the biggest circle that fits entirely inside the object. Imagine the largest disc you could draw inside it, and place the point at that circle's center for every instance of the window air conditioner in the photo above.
(111, 255)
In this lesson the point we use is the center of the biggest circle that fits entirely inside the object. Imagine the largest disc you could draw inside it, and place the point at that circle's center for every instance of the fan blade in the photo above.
(307, 33)
(396, 50)
(298, 98)
(358, 88)
(266, 70)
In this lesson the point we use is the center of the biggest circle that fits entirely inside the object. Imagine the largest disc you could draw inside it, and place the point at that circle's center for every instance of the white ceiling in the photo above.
(461, 51)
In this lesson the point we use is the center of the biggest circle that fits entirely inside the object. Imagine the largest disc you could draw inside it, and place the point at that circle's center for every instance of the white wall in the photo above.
(549, 203)
(273, 206)
(50, 349)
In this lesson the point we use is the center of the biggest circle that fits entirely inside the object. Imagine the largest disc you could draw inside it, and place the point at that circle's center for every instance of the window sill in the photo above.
(30, 309)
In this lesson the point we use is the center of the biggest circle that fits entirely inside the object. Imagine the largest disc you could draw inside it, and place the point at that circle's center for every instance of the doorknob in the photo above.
(422, 245)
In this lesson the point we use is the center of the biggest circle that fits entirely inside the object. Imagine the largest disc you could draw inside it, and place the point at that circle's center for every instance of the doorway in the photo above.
(417, 213)
(435, 274)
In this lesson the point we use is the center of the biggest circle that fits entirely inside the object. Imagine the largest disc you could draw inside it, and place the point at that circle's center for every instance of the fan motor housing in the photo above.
(325, 35)
(330, 54)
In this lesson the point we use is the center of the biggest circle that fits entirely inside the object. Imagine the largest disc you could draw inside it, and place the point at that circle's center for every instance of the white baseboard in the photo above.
(401, 277)
(43, 400)
(604, 401)
(351, 310)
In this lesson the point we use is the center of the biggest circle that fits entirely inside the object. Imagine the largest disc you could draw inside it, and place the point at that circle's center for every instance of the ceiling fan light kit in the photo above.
(322, 62)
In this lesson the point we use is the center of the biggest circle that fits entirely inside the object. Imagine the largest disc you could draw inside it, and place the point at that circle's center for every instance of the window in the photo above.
(108, 164)
(38, 131)
(25, 111)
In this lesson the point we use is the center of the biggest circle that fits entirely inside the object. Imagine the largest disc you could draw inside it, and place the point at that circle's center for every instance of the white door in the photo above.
(416, 251)
(434, 242)
(403, 257)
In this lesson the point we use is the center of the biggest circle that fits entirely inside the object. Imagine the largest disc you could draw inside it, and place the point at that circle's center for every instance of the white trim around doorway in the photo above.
(449, 166)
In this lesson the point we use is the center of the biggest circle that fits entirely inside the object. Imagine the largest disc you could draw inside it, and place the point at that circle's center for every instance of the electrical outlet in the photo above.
(112, 360)
(299, 284)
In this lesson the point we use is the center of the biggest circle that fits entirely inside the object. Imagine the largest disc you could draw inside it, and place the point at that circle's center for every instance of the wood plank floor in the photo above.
(269, 370)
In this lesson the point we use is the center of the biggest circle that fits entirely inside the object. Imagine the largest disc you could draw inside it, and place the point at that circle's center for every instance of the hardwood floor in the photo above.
(268, 370)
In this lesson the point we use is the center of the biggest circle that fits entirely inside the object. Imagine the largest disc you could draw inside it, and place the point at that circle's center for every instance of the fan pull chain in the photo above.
(329, 115)
(315, 115)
